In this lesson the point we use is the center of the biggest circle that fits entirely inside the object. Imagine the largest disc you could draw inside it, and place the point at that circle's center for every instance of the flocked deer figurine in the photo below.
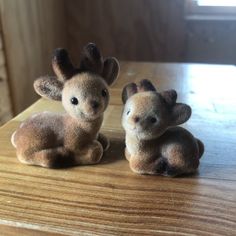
(154, 145)
(56, 140)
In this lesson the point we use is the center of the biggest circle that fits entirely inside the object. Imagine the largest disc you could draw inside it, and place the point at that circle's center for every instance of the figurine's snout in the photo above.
(94, 104)
(136, 119)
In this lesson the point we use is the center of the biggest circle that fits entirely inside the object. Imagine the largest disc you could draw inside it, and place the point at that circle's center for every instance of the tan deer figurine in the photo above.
(154, 143)
(57, 140)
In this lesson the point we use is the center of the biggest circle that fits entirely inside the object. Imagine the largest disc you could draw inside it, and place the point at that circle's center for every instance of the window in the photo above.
(216, 3)
(211, 9)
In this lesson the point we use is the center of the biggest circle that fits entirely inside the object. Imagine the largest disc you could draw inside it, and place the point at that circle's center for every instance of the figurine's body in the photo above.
(153, 146)
(58, 140)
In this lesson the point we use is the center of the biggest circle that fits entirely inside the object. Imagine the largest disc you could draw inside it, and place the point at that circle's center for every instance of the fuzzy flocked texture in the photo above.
(155, 145)
(58, 140)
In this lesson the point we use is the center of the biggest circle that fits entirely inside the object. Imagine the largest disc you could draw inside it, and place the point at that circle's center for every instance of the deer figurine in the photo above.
(155, 145)
(54, 140)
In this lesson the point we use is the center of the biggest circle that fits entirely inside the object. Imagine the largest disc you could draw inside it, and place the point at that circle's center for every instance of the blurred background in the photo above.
(190, 31)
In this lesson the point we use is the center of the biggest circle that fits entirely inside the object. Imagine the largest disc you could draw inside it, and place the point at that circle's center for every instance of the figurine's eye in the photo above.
(153, 120)
(74, 101)
(104, 93)
(128, 112)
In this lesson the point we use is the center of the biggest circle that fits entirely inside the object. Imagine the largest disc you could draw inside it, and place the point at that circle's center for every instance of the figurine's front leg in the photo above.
(91, 154)
(140, 166)
(127, 154)
(104, 141)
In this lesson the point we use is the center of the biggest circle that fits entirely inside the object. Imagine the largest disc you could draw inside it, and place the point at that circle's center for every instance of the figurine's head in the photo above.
(147, 113)
(84, 90)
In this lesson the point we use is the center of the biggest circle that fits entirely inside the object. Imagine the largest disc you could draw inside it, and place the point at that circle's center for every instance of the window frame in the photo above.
(191, 7)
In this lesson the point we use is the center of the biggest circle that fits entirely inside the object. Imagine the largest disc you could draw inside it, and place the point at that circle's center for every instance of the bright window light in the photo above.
(217, 3)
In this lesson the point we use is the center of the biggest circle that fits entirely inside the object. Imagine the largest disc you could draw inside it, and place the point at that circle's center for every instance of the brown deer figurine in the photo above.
(154, 143)
(57, 140)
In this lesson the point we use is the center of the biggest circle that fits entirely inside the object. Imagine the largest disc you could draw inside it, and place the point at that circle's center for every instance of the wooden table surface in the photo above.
(108, 199)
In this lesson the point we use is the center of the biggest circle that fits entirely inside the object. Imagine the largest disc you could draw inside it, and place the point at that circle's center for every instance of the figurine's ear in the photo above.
(62, 65)
(169, 96)
(111, 70)
(146, 85)
(91, 59)
(49, 87)
(128, 91)
(180, 113)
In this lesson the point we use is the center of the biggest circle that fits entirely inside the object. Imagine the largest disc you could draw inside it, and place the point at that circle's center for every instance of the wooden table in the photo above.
(108, 199)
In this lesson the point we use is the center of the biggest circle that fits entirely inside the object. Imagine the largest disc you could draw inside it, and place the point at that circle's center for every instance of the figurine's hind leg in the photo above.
(49, 158)
(200, 147)
(166, 169)
(178, 160)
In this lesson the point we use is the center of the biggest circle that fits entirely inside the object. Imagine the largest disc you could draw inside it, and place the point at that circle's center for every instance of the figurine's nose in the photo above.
(94, 104)
(136, 119)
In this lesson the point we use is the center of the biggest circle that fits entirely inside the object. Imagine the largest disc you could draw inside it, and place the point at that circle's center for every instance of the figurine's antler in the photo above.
(91, 59)
(62, 65)
(146, 85)
(170, 97)
(128, 91)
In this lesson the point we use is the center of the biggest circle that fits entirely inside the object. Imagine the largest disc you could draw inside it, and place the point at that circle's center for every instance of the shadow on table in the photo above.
(115, 151)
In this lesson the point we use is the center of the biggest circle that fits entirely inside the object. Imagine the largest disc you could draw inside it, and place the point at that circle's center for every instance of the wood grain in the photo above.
(5, 100)
(31, 31)
(14, 230)
(108, 199)
(153, 30)
(138, 30)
